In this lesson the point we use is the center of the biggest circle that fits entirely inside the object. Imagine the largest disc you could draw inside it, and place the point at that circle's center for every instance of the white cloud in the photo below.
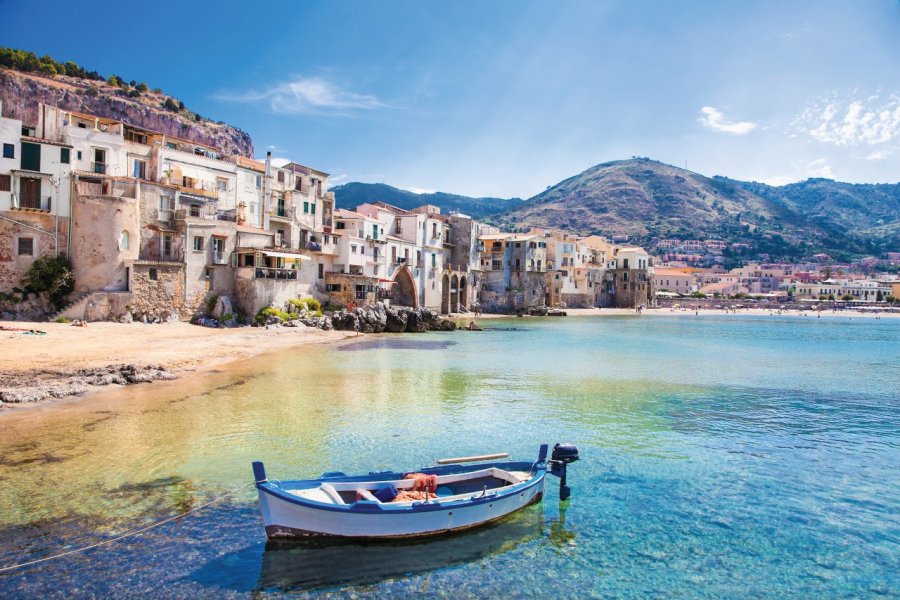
(820, 168)
(878, 155)
(715, 120)
(778, 180)
(305, 95)
(853, 121)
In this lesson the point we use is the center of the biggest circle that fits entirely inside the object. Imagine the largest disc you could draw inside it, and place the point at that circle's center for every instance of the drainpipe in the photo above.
(267, 191)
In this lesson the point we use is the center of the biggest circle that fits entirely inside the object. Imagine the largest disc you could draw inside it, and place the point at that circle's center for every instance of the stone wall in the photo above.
(162, 297)
(528, 289)
(13, 266)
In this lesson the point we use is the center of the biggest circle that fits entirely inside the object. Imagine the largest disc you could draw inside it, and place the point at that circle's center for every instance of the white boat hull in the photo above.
(286, 518)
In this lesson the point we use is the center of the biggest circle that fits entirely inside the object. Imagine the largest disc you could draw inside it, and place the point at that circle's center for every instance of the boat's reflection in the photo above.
(308, 565)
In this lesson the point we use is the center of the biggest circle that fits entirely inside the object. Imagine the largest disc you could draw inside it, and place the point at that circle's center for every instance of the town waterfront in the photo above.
(723, 456)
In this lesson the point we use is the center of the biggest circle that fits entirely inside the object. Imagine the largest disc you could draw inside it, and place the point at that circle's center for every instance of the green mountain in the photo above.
(351, 195)
(649, 201)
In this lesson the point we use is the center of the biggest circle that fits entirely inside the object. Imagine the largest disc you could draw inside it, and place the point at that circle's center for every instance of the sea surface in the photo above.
(722, 456)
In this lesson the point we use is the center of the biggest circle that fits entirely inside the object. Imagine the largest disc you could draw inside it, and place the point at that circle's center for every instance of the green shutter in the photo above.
(31, 156)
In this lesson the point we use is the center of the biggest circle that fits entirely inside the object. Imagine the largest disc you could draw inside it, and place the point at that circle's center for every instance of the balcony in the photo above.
(32, 202)
(282, 212)
(219, 258)
(272, 273)
(98, 167)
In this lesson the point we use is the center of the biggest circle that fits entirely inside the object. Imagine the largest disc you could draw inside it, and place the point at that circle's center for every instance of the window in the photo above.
(99, 165)
(5, 183)
(9, 151)
(418, 257)
(208, 273)
(352, 248)
(152, 274)
(166, 206)
(340, 225)
(78, 154)
(258, 181)
(433, 260)
(195, 210)
(65, 155)
(167, 245)
(280, 177)
(312, 208)
(140, 169)
(321, 271)
(124, 240)
(221, 184)
(31, 156)
(298, 183)
(306, 208)
(198, 243)
(26, 246)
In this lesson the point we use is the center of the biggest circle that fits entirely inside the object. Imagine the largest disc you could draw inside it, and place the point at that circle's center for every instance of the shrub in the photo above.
(295, 305)
(211, 304)
(50, 275)
(270, 311)
(63, 319)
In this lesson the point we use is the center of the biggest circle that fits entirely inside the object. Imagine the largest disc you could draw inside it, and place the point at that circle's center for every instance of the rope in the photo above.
(126, 534)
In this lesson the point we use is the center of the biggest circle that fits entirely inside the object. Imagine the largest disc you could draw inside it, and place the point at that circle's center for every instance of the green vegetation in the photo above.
(51, 276)
(28, 62)
(700, 295)
(63, 319)
(847, 297)
(311, 305)
(211, 304)
(270, 311)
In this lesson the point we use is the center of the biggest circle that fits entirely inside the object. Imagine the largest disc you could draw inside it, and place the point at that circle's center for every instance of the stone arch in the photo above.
(454, 293)
(445, 294)
(405, 289)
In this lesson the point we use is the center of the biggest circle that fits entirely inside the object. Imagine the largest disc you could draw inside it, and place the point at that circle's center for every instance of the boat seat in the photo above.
(332, 493)
(366, 495)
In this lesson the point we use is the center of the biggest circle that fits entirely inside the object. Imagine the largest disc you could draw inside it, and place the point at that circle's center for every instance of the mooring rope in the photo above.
(127, 533)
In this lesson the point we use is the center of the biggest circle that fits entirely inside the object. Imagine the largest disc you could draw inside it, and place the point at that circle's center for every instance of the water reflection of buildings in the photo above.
(320, 564)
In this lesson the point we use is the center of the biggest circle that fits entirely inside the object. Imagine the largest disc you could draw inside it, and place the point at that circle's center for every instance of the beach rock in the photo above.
(124, 318)
(222, 307)
(395, 320)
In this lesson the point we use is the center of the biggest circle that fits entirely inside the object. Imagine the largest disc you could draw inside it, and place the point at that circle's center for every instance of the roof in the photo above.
(247, 163)
(31, 138)
(343, 213)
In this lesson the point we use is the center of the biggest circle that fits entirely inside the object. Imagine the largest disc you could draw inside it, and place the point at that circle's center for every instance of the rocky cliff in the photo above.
(21, 92)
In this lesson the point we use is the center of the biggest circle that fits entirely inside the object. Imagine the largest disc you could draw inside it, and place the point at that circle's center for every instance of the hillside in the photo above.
(350, 195)
(649, 201)
(24, 80)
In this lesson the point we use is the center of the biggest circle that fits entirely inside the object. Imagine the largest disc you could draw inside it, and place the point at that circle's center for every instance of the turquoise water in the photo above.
(729, 456)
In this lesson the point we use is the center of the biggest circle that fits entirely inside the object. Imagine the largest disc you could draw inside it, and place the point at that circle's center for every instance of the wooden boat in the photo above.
(457, 496)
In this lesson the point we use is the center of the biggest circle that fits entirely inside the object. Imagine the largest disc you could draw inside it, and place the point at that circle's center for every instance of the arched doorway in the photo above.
(454, 293)
(445, 294)
(405, 289)
(463, 291)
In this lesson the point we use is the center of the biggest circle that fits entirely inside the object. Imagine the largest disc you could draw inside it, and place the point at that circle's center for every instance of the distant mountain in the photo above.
(649, 201)
(351, 195)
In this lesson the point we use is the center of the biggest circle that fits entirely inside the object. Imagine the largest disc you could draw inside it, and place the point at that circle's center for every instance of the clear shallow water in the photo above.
(723, 456)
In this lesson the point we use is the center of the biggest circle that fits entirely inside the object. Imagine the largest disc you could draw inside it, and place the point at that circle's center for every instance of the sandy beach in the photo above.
(65, 360)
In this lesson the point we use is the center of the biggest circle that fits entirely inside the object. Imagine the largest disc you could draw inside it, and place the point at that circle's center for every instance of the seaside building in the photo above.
(160, 227)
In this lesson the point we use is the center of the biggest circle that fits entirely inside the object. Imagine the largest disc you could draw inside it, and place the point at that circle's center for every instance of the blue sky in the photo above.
(505, 98)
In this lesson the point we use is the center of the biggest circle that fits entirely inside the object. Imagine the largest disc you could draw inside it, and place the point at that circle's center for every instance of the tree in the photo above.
(847, 297)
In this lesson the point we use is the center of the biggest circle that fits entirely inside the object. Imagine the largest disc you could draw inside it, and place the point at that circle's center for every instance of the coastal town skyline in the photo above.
(506, 100)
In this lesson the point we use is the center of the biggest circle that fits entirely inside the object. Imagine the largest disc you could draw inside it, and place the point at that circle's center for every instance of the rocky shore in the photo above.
(37, 385)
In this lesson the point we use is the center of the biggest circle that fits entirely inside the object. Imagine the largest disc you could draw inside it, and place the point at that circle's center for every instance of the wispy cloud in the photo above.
(820, 168)
(417, 190)
(778, 180)
(878, 155)
(306, 95)
(852, 121)
(715, 120)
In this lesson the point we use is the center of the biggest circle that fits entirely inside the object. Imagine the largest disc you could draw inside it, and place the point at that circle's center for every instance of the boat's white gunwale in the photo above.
(374, 508)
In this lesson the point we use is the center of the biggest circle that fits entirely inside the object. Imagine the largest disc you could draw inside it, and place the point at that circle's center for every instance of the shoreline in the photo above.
(66, 362)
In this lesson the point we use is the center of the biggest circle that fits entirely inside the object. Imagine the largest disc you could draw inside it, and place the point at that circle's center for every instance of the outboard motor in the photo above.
(563, 454)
